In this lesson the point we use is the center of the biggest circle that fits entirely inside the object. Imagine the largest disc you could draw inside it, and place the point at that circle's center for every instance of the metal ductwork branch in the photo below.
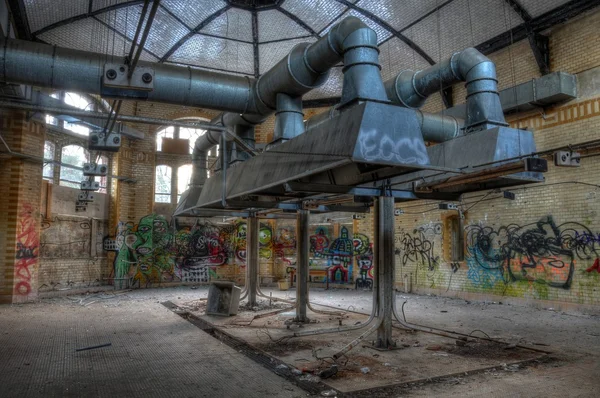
(434, 127)
(43, 65)
(411, 89)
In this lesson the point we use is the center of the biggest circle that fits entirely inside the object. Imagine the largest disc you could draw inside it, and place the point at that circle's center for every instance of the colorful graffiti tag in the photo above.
(27, 252)
(153, 251)
(541, 252)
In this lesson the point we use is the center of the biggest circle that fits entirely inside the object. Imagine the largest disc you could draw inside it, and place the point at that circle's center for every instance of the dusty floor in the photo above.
(155, 352)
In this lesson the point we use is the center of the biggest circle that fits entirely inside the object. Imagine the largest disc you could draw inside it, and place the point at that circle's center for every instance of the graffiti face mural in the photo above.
(542, 252)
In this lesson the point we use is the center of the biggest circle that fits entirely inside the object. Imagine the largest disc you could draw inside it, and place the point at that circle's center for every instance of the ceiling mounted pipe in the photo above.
(434, 127)
(43, 65)
(411, 89)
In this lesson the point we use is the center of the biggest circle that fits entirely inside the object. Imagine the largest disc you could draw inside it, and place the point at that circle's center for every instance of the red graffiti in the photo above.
(27, 250)
(595, 266)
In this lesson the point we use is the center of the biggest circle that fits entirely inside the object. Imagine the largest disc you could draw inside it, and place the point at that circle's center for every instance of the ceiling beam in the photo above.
(539, 44)
(89, 14)
(519, 9)
(538, 24)
(19, 17)
(255, 43)
(197, 29)
(300, 22)
(120, 34)
(390, 29)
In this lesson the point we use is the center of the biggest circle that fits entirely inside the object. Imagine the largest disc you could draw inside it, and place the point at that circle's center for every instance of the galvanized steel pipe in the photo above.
(411, 89)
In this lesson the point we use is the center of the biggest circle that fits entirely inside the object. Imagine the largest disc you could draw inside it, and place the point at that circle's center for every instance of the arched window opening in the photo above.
(48, 170)
(191, 135)
(49, 118)
(80, 102)
(162, 184)
(73, 155)
(167, 132)
(184, 176)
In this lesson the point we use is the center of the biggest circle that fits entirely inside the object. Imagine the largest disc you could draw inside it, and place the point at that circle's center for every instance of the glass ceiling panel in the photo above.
(395, 56)
(99, 4)
(233, 24)
(400, 14)
(91, 35)
(331, 88)
(164, 33)
(273, 25)
(382, 33)
(41, 13)
(539, 7)
(317, 14)
(193, 12)
(213, 52)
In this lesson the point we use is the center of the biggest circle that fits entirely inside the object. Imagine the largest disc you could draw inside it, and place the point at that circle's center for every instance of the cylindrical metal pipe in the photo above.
(386, 268)
(289, 119)
(439, 128)
(59, 68)
(302, 247)
(252, 231)
(411, 89)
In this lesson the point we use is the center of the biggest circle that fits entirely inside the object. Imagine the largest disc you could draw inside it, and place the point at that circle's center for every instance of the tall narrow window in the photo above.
(453, 238)
(102, 180)
(73, 155)
(162, 184)
(49, 118)
(80, 102)
(48, 171)
(184, 175)
(164, 133)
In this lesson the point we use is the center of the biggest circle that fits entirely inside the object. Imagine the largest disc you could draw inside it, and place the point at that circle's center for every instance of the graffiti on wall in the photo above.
(541, 252)
(153, 251)
(27, 250)
(337, 257)
(419, 247)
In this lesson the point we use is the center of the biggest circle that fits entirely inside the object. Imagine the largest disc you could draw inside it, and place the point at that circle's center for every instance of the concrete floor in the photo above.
(155, 352)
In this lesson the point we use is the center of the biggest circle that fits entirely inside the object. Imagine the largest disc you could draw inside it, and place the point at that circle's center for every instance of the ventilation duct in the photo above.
(411, 89)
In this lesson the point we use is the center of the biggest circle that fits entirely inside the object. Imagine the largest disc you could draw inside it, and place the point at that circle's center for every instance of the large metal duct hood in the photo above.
(367, 142)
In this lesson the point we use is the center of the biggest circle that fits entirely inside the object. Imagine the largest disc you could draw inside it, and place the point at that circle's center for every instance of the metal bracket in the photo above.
(115, 75)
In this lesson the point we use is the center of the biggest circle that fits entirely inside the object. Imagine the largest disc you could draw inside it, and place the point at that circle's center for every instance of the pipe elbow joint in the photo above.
(470, 60)
(350, 33)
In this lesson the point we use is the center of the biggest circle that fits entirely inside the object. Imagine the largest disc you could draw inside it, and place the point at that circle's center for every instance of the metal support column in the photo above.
(302, 248)
(385, 268)
(252, 259)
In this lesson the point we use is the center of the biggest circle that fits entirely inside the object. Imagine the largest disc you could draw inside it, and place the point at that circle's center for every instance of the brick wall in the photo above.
(544, 246)
(21, 180)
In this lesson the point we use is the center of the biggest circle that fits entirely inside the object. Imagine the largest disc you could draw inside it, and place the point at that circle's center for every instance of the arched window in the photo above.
(191, 135)
(167, 132)
(73, 155)
(80, 102)
(184, 175)
(162, 184)
(48, 171)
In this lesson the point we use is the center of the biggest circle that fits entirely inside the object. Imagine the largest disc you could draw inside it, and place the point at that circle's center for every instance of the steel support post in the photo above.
(385, 269)
(252, 259)
(302, 247)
